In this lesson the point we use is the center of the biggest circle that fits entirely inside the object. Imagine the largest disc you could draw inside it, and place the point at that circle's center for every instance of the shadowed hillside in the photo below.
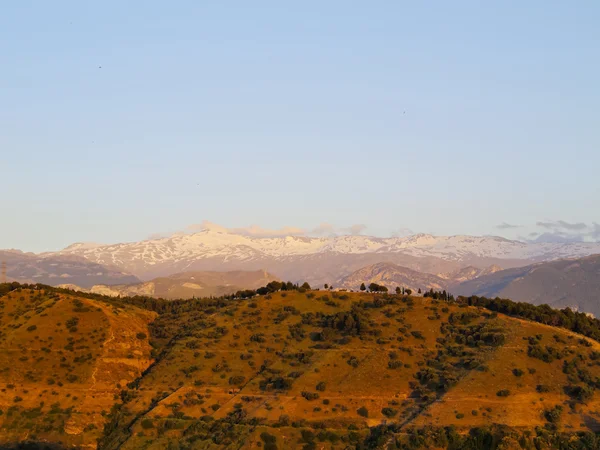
(60, 269)
(573, 283)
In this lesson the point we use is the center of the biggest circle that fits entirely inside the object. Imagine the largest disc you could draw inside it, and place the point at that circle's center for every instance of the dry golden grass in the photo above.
(213, 361)
(58, 381)
(216, 362)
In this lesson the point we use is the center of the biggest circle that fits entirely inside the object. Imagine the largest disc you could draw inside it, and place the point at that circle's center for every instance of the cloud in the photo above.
(595, 232)
(561, 231)
(252, 230)
(354, 230)
(506, 226)
(324, 229)
(562, 225)
(403, 232)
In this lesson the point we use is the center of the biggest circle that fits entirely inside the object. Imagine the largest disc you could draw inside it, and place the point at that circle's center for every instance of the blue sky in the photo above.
(123, 119)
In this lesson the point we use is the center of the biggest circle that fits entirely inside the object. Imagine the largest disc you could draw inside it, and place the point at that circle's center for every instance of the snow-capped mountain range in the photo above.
(295, 258)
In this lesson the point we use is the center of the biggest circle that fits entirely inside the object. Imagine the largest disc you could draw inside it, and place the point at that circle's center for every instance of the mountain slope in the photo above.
(570, 282)
(391, 276)
(469, 273)
(292, 370)
(293, 255)
(336, 362)
(192, 284)
(63, 361)
(60, 269)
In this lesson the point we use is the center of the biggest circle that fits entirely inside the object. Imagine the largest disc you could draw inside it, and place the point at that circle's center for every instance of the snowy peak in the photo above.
(218, 249)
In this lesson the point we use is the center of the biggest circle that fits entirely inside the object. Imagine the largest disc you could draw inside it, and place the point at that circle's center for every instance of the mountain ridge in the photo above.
(317, 259)
(569, 282)
(186, 285)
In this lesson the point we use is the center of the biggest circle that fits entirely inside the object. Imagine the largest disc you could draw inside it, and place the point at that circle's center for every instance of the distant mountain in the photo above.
(190, 284)
(569, 282)
(391, 276)
(60, 269)
(470, 273)
(319, 260)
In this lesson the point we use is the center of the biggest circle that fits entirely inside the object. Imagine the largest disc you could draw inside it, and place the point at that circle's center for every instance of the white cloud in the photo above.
(354, 230)
(324, 229)
(403, 232)
(562, 231)
(506, 226)
(252, 230)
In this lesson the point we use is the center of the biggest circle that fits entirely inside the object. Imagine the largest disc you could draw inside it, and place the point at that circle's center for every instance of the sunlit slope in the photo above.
(63, 362)
(342, 362)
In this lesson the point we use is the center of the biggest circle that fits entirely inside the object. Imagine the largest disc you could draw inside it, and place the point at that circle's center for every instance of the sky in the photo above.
(120, 120)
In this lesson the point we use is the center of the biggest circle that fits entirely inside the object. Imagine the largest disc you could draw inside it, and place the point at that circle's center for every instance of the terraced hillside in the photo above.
(63, 362)
(306, 369)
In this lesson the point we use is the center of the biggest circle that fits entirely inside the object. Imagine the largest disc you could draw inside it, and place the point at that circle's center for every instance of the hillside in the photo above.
(573, 283)
(295, 369)
(60, 269)
(292, 369)
(469, 273)
(63, 362)
(391, 276)
(318, 259)
(192, 284)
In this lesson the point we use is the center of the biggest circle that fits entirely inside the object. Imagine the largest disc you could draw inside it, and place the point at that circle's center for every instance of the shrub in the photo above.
(417, 335)
(362, 411)
(353, 361)
(269, 440)
(503, 393)
(517, 372)
(395, 364)
(310, 395)
(389, 412)
(237, 379)
(32, 328)
(320, 386)
(553, 415)
(141, 336)
(147, 424)
(580, 393)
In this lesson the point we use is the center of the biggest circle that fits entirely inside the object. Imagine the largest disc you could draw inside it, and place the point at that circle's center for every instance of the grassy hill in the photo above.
(63, 362)
(310, 369)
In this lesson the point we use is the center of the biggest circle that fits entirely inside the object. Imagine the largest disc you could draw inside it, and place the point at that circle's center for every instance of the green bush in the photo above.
(147, 424)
